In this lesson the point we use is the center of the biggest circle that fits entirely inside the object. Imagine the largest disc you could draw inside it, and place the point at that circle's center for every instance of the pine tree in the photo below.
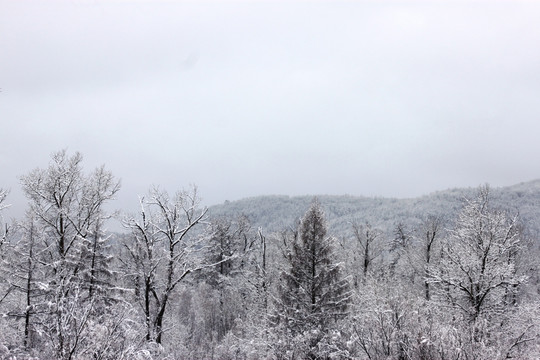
(313, 294)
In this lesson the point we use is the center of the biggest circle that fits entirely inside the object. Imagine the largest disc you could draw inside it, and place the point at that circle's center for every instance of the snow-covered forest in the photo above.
(181, 281)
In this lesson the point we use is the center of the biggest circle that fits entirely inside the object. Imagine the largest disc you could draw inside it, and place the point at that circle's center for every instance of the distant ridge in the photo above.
(277, 212)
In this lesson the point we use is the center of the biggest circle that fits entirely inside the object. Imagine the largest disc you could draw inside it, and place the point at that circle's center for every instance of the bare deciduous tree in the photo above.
(4, 229)
(161, 252)
(367, 247)
(430, 232)
(477, 271)
(68, 206)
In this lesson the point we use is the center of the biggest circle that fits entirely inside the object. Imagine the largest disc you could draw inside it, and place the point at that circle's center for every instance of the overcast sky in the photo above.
(244, 98)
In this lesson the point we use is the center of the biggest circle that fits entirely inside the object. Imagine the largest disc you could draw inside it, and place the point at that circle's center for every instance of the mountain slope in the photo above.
(274, 213)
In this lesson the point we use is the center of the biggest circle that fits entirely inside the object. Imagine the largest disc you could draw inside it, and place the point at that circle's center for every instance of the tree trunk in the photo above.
(28, 312)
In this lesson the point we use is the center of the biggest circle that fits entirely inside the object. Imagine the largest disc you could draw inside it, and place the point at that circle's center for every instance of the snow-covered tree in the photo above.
(3, 225)
(227, 246)
(387, 321)
(398, 251)
(227, 240)
(313, 295)
(477, 273)
(429, 234)
(477, 277)
(162, 252)
(367, 247)
(66, 206)
(25, 277)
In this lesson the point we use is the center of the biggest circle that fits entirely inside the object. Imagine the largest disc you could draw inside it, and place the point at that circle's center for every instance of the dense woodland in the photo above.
(449, 276)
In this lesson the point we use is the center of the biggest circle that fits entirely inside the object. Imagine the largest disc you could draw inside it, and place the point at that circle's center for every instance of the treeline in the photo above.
(180, 284)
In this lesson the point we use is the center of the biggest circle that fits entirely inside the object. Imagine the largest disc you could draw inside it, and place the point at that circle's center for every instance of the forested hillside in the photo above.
(451, 275)
(276, 212)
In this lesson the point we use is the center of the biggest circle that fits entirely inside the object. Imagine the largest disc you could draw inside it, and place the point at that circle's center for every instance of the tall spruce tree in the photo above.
(313, 294)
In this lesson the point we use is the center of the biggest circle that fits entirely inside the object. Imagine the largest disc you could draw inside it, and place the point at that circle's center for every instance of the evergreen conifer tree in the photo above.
(313, 293)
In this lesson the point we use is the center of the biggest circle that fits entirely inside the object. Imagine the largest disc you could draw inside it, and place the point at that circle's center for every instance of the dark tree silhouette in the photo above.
(313, 294)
